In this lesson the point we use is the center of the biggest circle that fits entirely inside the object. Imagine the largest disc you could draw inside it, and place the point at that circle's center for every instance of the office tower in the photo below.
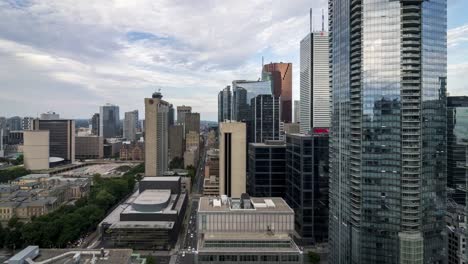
(297, 112)
(176, 141)
(181, 111)
(62, 137)
(95, 124)
(456, 233)
(265, 122)
(36, 149)
(232, 159)
(246, 230)
(130, 125)
(89, 147)
(267, 169)
(192, 122)
(192, 140)
(27, 123)
(211, 180)
(109, 121)
(14, 123)
(291, 128)
(171, 118)
(307, 179)
(242, 93)
(314, 82)
(156, 135)
(457, 140)
(224, 104)
(280, 74)
(50, 116)
(388, 131)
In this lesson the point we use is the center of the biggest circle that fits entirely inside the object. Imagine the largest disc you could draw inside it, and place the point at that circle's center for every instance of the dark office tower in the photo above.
(388, 131)
(267, 169)
(14, 123)
(224, 104)
(171, 118)
(181, 111)
(192, 122)
(109, 121)
(457, 140)
(280, 74)
(176, 141)
(61, 137)
(242, 93)
(265, 121)
(95, 124)
(307, 179)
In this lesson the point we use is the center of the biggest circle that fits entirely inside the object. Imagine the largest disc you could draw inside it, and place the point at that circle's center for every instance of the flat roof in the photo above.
(143, 224)
(149, 197)
(58, 256)
(161, 178)
(24, 253)
(258, 205)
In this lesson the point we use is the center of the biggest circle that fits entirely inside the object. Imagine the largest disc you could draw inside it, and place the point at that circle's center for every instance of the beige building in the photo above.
(232, 159)
(291, 128)
(36, 149)
(191, 157)
(156, 135)
(89, 147)
(192, 140)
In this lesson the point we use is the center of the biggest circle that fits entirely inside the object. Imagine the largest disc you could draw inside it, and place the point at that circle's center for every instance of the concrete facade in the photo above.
(36, 150)
(89, 147)
(232, 159)
(176, 141)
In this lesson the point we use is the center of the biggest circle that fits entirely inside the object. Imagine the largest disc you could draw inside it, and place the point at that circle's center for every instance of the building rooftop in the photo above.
(161, 178)
(56, 256)
(274, 204)
(270, 144)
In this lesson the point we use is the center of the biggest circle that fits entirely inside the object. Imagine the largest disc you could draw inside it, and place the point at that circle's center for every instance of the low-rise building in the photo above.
(89, 147)
(253, 230)
(132, 151)
(191, 157)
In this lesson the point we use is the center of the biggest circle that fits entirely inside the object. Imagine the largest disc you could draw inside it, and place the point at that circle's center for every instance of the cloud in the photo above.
(457, 36)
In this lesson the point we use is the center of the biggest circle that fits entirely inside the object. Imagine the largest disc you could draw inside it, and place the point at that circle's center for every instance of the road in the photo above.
(186, 253)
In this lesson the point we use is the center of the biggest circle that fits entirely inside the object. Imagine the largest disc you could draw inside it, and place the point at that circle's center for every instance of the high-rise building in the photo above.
(457, 140)
(109, 121)
(192, 140)
(280, 74)
(267, 169)
(314, 82)
(297, 112)
(50, 116)
(181, 111)
(95, 124)
(388, 66)
(130, 125)
(224, 104)
(242, 93)
(307, 172)
(14, 123)
(62, 137)
(265, 121)
(156, 135)
(171, 117)
(36, 149)
(27, 123)
(89, 147)
(176, 141)
(192, 122)
(232, 159)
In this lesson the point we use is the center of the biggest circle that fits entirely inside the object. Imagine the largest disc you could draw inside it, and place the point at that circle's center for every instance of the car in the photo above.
(183, 253)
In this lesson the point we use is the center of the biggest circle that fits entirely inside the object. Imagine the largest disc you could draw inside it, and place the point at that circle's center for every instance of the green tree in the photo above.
(314, 258)
(150, 260)
(104, 199)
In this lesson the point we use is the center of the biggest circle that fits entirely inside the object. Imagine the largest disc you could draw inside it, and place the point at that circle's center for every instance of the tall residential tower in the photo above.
(388, 131)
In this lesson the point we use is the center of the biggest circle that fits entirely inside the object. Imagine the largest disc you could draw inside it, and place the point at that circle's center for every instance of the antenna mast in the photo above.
(323, 21)
(310, 20)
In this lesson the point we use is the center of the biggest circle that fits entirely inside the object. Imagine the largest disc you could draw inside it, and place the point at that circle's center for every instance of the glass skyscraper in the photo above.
(457, 140)
(109, 121)
(242, 94)
(388, 66)
(224, 104)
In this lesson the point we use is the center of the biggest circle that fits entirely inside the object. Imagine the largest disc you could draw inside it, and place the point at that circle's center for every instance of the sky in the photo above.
(72, 56)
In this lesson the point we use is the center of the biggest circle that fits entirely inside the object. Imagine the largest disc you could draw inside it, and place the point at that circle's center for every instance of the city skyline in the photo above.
(120, 60)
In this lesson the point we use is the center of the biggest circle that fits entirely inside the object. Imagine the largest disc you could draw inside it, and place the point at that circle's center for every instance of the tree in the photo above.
(314, 258)
(104, 199)
(150, 260)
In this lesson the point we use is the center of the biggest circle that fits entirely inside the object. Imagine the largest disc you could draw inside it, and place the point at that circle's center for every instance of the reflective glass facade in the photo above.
(457, 140)
(109, 121)
(388, 140)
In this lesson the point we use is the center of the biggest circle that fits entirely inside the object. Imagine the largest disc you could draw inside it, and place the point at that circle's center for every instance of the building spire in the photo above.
(310, 21)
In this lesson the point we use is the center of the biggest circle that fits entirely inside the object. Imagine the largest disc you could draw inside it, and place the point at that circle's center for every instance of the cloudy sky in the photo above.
(70, 56)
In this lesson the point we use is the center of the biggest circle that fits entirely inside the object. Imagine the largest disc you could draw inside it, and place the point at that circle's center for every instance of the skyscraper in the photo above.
(232, 159)
(242, 93)
(176, 141)
(280, 74)
(14, 123)
(181, 111)
(130, 125)
(50, 116)
(27, 123)
(192, 122)
(109, 121)
(265, 121)
(95, 124)
(314, 82)
(297, 108)
(171, 118)
(388, 131)
(457, 140)
(224, 104)
(156, 135)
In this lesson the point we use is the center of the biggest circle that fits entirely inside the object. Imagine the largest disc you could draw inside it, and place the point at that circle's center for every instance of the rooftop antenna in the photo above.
(311, 22)
(323, 21)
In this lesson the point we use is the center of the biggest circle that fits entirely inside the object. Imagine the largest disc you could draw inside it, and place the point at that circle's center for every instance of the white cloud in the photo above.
(457, 36)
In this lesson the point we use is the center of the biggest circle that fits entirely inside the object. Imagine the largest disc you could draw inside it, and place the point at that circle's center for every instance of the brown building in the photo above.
(192, 122)
(192, 140)
(89, 147)
(176, 141)
(133, 151)
(281, 76)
